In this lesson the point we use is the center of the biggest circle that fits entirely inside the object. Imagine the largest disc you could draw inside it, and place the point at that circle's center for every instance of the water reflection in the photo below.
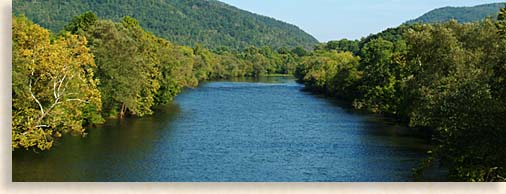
(263, 129)
(106, 153)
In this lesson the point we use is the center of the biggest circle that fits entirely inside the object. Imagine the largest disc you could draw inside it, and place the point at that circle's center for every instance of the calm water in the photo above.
(263, 130)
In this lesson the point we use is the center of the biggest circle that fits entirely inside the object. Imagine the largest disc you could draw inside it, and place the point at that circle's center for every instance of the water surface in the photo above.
(239, 130)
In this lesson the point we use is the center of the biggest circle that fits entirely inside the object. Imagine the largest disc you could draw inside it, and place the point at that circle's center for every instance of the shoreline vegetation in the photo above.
(446, 77)
(97, 69)
(278, 75)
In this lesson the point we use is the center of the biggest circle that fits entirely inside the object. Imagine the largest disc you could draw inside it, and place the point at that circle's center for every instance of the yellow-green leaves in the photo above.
(330, 71)
(52, 83)
(501, 22)
(448, 77)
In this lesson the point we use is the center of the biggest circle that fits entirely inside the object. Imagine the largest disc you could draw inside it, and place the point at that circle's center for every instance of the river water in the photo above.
(237, 130)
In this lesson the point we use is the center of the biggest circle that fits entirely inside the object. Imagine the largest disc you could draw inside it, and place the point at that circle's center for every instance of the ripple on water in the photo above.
(247, 130)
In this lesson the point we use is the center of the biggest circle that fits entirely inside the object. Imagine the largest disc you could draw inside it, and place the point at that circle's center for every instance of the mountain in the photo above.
(188, 22)
(461, 14)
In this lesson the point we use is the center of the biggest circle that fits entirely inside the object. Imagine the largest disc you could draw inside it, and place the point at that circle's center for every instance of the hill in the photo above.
(188, 22)
(461, 14)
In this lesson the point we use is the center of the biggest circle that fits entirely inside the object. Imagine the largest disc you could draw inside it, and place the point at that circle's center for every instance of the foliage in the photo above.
(122, 53)
(53, 86)
(81, 23)
(187, 22)
(501, 22)
(461, 14)
(340, 45)
(134, 71)
(447, 77)
(456, 95)
(330, 71)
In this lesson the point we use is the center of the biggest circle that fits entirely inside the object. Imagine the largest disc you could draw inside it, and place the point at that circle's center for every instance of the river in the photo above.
(267, 129)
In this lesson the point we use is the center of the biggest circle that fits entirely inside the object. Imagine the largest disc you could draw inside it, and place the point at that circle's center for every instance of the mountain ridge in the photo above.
(211, 23)
(461, 14)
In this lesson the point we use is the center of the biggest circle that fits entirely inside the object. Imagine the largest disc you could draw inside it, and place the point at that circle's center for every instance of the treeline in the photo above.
(211, 23)
(448, 77)
(461, 14)
(96, 69)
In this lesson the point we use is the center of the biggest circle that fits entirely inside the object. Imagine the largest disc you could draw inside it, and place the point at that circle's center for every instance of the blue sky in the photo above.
(335, 19)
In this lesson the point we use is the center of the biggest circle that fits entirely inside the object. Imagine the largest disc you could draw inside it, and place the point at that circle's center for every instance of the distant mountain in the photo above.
(189, 22)
(461, 14)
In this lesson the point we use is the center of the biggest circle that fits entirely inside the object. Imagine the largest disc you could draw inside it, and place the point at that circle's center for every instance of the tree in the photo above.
(380, 87)
(122, 54)
(299, 51)
(181, 22)
(176, 68)
(343, 46)
(204, 62)
(446, 78)
(454, 79)
(501, 22)
(53, 85)
(500, 68)
(81, 23)
(332, 72)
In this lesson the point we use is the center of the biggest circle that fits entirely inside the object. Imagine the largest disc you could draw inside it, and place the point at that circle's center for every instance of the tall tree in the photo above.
(455, 96)
(81, 23)
(122, 54)
(53, 85)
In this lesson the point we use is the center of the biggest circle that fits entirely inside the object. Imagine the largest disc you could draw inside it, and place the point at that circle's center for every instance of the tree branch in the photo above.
(33, 96)
(54, 89)
(61, 82)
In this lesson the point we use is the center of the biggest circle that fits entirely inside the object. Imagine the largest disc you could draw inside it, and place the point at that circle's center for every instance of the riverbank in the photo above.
(248, 130)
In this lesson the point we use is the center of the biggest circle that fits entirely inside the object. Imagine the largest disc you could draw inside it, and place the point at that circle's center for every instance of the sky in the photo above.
(352, 19)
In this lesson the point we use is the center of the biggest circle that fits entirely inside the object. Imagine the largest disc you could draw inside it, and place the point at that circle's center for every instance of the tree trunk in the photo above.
(122, 111)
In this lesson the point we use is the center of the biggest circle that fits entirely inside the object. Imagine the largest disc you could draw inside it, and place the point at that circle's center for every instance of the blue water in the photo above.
(241, 130)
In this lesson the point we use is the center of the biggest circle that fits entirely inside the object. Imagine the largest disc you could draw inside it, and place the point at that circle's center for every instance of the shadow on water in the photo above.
(388, 125)
(246, 129)
(394, 133)
(265, 79)
(74, 158)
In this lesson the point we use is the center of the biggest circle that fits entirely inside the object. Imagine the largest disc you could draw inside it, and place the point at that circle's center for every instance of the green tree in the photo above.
(300, 52)
(53, 85)
(122, 54)
(501, 22)
(385, 75)
(81, 23)
(176, 67)
(456, 97)
(343, 45)
(204, 62)
(180, 22)
(332, 72)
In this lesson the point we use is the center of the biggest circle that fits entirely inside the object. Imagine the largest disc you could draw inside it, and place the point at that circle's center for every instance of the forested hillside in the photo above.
(461, 14)
(187, 22)
(447, 79)
(98, 69)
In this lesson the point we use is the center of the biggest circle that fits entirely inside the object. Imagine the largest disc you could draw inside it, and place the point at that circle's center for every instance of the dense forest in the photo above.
(446, 77)
(87, 70)
(186, 22)
(461, 14)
